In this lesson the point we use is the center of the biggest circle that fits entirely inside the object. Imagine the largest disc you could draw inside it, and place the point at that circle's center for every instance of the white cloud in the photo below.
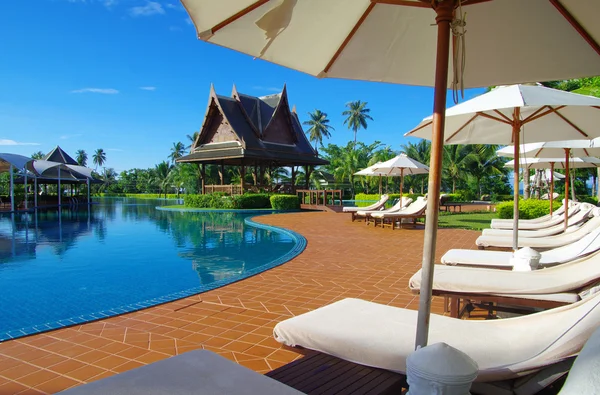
(189, 21)
(148, 88)
(13, 142)
(175, 28)
(104, 91)
(115, 149)
(175, 7)
(151, 8)
(68, 136)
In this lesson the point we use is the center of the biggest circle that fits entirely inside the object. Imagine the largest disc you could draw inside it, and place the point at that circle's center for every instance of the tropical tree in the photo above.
(37, 155)
(456, 164)
(484, 164)
(191, 138)
(318, 127)
(99, 158)
(108, 177)
(356, 116)
(420, 152)
(162, 176)
(177, 151)
(82, 157)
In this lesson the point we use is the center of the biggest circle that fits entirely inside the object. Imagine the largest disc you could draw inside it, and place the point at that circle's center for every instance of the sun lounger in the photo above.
(584, 377)
(541, 242)
(383, 336)
(587, 245)
(413, 212)
(573, 223)
(554, 220)
(484, 287)
(375, 206)
(402, 203)
(560, 211)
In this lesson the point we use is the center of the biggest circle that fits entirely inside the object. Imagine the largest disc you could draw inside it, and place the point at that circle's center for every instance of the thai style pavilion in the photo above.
(243, 131)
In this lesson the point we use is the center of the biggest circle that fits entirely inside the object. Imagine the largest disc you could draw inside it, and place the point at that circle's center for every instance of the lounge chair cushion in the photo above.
(383, 336)
(584, 376)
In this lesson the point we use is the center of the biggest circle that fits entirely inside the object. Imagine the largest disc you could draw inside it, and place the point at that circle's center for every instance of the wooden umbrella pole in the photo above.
(516, 130)
(567, 154)
(444, 12)
(551, 197)
(380, 185)
(401, 183)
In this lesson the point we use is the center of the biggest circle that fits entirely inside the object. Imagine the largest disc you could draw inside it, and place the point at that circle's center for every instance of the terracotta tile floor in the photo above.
(342, 259)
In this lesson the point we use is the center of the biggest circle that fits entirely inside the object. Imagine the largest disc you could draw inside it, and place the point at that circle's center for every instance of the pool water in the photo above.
(58, 269)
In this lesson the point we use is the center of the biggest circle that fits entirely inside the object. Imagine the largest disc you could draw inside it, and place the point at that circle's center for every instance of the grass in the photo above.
(471, 220)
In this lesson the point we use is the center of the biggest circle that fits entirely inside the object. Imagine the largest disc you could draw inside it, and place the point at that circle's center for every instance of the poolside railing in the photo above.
(320, 197)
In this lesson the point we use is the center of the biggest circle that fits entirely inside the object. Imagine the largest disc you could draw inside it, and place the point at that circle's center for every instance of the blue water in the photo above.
(122, 255)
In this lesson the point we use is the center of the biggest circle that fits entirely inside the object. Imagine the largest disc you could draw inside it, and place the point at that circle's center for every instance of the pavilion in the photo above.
(244, 130)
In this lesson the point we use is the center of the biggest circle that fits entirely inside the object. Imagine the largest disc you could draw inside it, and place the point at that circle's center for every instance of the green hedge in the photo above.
(285, 202)
(588, 199)
(460, 196)
(251, 200)
(137, 195)
(528, 208)
(212, 200)
(371, 198)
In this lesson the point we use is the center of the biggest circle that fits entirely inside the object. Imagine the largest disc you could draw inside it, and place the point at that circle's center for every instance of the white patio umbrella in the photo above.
(369, 172)
(519, 114)
(401, 165)
(556, 149)
(372, 39)
(563, 163)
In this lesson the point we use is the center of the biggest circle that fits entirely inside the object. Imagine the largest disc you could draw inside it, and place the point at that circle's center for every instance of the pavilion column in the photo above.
(12, 189)
(203, 176)
(293, 180)
(255, 174)
(25, 185)
(222, 173)
(88, 192)
(307, 180)
(35, 192)
(59, 190)
(242, 175)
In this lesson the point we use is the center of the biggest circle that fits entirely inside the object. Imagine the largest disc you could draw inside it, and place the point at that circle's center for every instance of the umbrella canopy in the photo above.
(369, 171)
(546, 163)
(372, 40)
(554, 149)
(401, 165)
(516, 114)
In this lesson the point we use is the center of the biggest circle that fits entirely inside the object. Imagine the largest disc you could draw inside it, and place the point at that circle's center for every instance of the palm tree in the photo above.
(162, 176)
(37, 155)
(356, 116)
(192, 139)
(108, 177)
(82, 157)
(99, 157)
(319, 127)
(484, 163)
(456, 161)
(419, 152)
(177, 151)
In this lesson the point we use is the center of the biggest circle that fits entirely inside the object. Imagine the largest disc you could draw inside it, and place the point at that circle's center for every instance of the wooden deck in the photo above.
(324, 374)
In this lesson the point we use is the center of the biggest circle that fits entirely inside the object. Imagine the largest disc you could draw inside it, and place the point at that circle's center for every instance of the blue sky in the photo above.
(129, 76)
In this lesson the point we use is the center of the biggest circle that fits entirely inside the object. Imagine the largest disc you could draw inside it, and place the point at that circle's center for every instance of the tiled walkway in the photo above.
(342, 259)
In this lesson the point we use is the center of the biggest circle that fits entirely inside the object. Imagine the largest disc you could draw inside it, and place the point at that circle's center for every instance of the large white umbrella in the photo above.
(556, 149)
(373, 39)
(519, 114)
(369, 172)
(401, 165)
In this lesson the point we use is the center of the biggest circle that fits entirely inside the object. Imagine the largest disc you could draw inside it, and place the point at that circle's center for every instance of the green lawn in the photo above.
(474, 221)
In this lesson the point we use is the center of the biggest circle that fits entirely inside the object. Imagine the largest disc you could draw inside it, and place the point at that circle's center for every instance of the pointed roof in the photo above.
(260, 129)
(60, 156)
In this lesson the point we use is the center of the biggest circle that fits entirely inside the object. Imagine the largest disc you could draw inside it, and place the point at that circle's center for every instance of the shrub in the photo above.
(528, 208)
(212, 200)
(503, 198)
(251, 200)
(371, 198)
(285, 202)
(588, 199)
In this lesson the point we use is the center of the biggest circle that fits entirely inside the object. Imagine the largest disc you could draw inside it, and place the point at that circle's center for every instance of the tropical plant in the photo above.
(420, 152)
(81, 157)
(456, 164)
(99, 158)
(356, 116)
(177, 151)
(192, 139)
(484, 165)
(318, 127)
(163, 173)
(37, 155)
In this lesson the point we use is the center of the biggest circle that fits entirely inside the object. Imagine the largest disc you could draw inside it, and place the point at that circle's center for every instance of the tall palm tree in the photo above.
(177, 151)
(108, 177)
(484, 163)
(192, 139)
(456, 161)
(318, 127)
(99, 158)
(82, 157)
(37, 155)
(356, 116)
(419, 152)
(163, 173)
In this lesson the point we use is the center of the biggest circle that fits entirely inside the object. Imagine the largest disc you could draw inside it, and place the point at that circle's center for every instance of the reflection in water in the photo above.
(117, 256)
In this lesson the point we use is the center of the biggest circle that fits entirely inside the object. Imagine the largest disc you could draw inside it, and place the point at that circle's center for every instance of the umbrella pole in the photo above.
(551, 197)
(444, 12)
(12, 190)
(380, 186)
(25, 186)
(567, 154)
(516, 130)
(401, 183)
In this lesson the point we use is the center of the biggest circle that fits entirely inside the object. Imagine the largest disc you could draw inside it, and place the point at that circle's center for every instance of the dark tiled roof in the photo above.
(60, 156)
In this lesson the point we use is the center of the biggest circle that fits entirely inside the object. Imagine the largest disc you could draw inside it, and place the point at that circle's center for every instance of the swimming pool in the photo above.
(123, 255)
